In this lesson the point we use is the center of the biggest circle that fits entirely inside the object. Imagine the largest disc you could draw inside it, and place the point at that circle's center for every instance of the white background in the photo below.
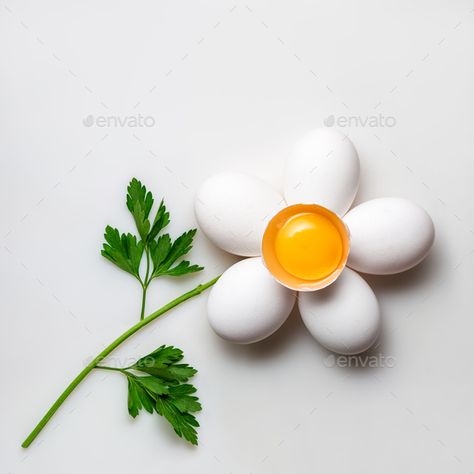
(230, 86)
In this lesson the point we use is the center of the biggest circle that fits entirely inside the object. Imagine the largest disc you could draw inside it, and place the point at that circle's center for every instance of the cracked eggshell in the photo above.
(388, 235)
(345, 316)
(233, 209)
(323, 169)
(247, 304)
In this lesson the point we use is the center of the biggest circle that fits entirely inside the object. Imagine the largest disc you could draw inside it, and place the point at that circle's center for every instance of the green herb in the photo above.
(163, 389)
(156, 382)
(126, 250)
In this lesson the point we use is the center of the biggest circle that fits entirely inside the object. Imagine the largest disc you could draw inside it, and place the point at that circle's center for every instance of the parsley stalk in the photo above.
(98, 359)
(163, 255)
(157, 382)
(146, 282)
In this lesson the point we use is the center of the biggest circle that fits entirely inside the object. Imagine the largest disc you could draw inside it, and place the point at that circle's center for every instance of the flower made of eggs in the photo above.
(307, 245)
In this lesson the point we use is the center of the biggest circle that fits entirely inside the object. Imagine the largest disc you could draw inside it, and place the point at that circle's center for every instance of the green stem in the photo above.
(145, 283)
(142, 311)
(92, 365)
(105, 367)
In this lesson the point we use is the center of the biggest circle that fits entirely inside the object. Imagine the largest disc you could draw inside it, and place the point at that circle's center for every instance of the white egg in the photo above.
(323, 169)
(233, 209)
(345, 316)
(247, 304)
(388, 235)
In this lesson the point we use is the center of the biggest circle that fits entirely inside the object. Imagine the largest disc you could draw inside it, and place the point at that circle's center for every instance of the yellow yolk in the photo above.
(309, 246)
(305, 247)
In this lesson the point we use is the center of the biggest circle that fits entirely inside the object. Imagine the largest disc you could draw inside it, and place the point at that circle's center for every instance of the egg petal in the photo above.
(323, 169)
(247, 304)
(233, 209)
(345, 316)
(388, 235)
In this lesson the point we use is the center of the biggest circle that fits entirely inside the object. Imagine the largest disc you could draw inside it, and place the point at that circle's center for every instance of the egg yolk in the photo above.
(305, 246)
(309, 246)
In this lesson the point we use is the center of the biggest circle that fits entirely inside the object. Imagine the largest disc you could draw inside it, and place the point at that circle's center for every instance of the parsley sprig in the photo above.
(158, 381)
(163, 389)
(161, 254)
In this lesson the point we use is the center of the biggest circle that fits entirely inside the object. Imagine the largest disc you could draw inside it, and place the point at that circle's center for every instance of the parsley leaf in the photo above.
(181, 246)
(123, 249)
(164, 255)
(163, 356)
(182, 268)
(163, 392)
(162, 363)
(173, 373)
(162, 219)
(184, 424)
(152, 385)
(143, 392)
(182, 399)
(138, 397)
(159, 250)
(139, 203)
